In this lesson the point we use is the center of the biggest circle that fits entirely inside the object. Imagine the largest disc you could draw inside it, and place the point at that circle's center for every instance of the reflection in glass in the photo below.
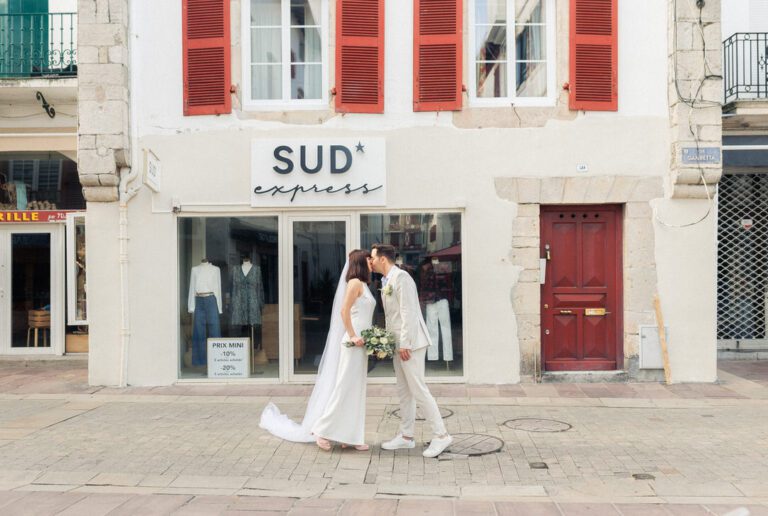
(529, 43)
(31, 290)
(304, 12)
(265, 46)
(531, 79)
(265, 82)
(491, 43)
(79, 272)
(529, 11)
(429, 249)
(305, 45)
(265, 13)
(239, 273)
(319, 254)
(490, 11)
(491, 80)
(306, 81)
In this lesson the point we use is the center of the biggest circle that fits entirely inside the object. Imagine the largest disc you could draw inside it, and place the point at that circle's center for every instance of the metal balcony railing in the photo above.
(745, 76)
(38, 45)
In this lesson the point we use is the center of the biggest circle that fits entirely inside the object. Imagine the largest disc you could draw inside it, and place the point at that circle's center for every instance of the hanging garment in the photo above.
(247, 296)
(205, 326)
(439, 316)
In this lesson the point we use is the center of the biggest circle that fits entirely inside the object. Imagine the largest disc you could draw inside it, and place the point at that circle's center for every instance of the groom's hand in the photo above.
(405, 354)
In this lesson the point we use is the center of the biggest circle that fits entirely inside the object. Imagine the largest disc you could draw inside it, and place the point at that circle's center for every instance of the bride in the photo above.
(336, 408)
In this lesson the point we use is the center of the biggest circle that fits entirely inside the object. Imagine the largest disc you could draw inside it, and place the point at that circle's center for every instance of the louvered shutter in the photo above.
(360, 56)
(437, 55)
(594, 55)
(206, 48)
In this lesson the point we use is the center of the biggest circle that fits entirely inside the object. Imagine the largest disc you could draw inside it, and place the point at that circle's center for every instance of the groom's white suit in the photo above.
(404, 320)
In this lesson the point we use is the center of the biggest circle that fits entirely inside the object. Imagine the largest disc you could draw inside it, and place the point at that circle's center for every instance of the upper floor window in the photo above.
(284, 54)
(519, 70)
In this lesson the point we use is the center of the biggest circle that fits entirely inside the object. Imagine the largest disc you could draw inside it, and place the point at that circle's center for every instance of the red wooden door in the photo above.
(581, 323)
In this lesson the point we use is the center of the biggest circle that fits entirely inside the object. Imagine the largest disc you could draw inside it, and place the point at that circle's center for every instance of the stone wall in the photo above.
(639, 264)
(695, 94)
(103, 90)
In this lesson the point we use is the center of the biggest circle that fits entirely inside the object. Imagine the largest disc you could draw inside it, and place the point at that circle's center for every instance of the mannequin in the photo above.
(247, 294)
(438, 316)
(204, 302)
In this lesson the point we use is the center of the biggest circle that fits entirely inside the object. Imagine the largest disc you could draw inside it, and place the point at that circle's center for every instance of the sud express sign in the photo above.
(327, 172)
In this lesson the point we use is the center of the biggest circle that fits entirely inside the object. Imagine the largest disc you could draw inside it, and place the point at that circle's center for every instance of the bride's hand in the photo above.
(358, 341)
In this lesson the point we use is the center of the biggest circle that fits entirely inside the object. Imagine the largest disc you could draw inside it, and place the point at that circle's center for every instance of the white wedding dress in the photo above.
(342, 371)
(344, 418)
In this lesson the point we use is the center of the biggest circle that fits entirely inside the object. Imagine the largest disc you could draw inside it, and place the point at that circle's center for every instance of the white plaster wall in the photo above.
(735, 17)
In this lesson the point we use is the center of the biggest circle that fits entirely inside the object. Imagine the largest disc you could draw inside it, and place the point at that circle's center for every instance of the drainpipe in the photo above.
(127, 175)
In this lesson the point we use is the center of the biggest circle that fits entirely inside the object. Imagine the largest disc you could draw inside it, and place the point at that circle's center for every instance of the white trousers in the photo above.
(438, 315)
(412, 389)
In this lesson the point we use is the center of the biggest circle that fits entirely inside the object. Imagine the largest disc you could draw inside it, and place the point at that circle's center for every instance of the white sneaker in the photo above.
(398, 443)
(437, 446)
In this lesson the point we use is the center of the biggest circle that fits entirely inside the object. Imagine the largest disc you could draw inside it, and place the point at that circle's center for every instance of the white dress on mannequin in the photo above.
(344, 418)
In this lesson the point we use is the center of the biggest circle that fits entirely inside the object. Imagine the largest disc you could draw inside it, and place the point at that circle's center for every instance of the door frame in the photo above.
(57, 294)
(286, 334)
(618, 210)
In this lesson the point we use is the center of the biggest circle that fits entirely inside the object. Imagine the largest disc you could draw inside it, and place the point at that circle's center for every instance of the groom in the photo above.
(404, 319)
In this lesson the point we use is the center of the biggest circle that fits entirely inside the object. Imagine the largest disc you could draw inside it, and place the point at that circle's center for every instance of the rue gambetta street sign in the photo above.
(318, 172)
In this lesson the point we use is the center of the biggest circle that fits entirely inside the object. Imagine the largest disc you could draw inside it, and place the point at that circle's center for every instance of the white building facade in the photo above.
(525, 157)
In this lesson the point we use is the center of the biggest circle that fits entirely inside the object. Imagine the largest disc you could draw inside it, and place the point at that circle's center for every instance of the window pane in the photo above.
(265, 12)
(265, 46)
(529, 43)
(491, 43)
(429, 249)
(305, 12)
(241, 255)
(491, 80)
(306, 81)
(305, 45)
(531, 79)
(266, 82)
(490, 11)
(529, 11)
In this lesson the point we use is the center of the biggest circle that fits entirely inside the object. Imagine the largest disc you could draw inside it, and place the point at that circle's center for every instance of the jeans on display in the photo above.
(206, 325)
(439, 316)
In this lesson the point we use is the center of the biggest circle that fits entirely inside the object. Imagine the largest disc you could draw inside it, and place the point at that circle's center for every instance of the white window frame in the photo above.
(551, 60)
(286, 102)
(72, 320)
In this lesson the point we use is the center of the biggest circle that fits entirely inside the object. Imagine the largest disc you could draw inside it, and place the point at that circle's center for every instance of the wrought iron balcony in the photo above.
(38, 45)
(745, 60)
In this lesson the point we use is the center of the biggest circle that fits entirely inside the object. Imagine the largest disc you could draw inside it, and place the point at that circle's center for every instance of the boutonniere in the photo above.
(387, 290)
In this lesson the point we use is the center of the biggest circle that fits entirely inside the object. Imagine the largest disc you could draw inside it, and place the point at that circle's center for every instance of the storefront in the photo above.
(42, 256)
(269, 277)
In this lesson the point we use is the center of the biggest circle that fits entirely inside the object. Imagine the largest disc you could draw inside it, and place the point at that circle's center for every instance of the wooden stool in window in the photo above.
(38, 320)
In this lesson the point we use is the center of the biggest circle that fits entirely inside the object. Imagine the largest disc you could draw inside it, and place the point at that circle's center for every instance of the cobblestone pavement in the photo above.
(66, 448)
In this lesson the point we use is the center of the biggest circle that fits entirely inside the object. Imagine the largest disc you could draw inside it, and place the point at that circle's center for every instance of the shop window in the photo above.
(520, 69)
(228, 269)
(429, 249)
(285, 56)
(33, 181)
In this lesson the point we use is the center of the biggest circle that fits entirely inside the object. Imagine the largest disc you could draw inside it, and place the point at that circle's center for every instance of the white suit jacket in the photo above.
(403, 313)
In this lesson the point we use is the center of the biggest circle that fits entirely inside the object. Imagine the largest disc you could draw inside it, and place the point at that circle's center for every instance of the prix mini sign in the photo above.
(318, 172)
(228, 358)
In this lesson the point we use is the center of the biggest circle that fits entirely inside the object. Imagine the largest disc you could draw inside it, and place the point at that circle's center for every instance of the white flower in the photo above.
(387, 290)
(384, 340)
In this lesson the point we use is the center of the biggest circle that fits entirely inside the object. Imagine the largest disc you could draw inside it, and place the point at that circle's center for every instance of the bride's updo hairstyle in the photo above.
(358, 266)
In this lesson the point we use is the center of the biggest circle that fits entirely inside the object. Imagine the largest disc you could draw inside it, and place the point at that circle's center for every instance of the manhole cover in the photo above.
(444, 412)
(532, 424)
(474, 444)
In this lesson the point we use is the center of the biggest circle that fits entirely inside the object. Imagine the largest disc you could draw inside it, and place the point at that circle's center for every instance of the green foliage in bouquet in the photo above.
(379, 342)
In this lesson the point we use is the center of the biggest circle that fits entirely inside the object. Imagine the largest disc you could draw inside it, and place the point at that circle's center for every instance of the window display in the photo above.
(228, 270)
(429, 249)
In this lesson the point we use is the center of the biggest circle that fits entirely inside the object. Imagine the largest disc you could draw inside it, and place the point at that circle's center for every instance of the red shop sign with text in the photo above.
(33, 216)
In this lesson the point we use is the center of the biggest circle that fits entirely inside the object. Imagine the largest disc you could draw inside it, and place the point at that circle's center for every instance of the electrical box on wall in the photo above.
(650, 347)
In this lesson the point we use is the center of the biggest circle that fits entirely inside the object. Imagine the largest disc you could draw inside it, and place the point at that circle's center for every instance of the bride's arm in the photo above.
(354, 289)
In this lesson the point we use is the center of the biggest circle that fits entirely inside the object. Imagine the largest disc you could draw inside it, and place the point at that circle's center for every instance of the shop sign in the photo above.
(318, 172)
(228, 358)
(33, 216)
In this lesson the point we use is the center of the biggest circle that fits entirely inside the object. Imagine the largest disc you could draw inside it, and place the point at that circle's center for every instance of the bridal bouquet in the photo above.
(379, 342)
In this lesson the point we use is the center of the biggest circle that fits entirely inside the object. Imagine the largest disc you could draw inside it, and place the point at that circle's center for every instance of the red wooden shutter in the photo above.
(594, 55)
(437, 55)
(206, 48)
(360, 56)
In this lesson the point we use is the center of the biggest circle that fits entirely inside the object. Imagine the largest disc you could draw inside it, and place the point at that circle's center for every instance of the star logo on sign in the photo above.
(360, 147)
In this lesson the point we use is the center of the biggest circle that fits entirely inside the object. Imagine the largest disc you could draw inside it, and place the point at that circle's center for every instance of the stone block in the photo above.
(109, 180)
(552, 190)
(528, 210)
(86, 141)
(598, 190)
(90, 179)
(118, 54)
(680, 191)
(525, 227)
(528, 190)
(102, 34)
(525, 257)
(528, 276)
(87, 55)
(520, 241)
(622, 188)
(113, 141)
(108, 117)
(89, 162)
(647, 188)
(506, 188)
(575, 190)
(526, 298)
(103, 74)
(637, 210)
